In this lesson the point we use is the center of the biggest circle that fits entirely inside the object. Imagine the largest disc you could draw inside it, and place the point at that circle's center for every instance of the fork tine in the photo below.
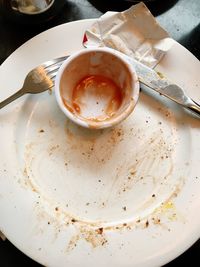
(53, 68)
(52, 75)
(54, 62)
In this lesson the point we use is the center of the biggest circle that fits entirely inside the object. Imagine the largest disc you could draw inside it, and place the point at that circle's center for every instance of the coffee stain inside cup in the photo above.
(95, 98)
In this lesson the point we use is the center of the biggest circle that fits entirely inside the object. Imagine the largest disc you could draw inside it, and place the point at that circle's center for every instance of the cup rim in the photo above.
(106, 123)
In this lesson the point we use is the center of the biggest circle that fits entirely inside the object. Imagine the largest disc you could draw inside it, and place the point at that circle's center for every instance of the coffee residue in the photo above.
(98, 91)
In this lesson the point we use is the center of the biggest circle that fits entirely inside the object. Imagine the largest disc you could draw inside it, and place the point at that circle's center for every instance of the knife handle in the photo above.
(194, 107)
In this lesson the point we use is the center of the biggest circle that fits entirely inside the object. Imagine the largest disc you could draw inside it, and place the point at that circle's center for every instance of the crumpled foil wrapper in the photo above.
(134, 32)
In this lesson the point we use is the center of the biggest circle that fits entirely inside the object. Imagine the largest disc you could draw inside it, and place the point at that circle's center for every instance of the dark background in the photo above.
(181, 18)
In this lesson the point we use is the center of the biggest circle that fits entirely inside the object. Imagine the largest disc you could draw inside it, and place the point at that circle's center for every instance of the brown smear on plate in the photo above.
(144, 166)
(95, 237)
(95, 233)
(85, 144)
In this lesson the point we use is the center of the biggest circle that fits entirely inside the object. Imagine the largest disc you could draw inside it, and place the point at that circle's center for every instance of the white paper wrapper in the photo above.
(134, 32)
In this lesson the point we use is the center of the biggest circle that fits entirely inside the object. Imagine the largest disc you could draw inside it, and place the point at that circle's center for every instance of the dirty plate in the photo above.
(126, 196)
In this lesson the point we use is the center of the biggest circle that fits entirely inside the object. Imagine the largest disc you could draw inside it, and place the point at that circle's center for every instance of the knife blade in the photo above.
(163, 86)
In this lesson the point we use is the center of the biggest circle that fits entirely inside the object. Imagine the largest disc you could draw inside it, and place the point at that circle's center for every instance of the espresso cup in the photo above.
(97, 88)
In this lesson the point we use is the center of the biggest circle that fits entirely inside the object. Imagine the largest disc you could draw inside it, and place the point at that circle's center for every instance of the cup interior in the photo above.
(97, 88)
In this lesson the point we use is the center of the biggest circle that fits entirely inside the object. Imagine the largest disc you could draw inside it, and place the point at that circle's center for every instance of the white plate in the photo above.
(127, 196)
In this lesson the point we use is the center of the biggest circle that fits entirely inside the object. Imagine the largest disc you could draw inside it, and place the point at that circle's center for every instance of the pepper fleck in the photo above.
(100, 230)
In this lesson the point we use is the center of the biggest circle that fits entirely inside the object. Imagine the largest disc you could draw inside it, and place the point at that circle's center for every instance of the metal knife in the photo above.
(163, 86)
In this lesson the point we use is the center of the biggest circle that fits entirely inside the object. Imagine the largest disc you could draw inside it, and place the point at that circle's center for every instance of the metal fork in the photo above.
(37, 80)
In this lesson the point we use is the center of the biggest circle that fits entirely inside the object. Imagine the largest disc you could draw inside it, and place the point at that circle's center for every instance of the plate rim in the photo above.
(193, 239)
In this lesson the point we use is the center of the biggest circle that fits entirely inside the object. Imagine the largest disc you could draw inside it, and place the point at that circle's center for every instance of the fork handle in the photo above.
(11, 98)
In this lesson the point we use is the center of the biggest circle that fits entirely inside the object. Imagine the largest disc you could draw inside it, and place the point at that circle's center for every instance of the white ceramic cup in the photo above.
(97, 87)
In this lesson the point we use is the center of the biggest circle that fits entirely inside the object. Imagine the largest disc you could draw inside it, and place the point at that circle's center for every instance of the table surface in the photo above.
(181, 18)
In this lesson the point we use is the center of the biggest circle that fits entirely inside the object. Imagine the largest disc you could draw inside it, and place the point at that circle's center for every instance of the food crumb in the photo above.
(41, 131)
(124, 208)
(118, 133)
(156, 220)
(147, 224)
(153, 195)
(48, 222)
(100, 230)
(160, 75)
(56, 208)
(104, 242)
